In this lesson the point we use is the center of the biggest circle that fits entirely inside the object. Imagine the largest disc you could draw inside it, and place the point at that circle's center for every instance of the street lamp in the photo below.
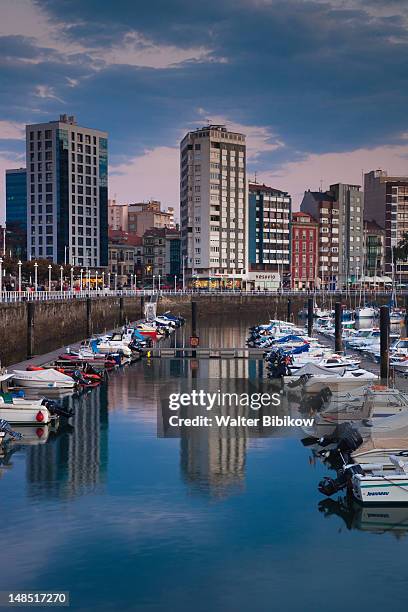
(49, 276)
(19, 275)
(153, 281)
(81, 273)
(89, 280)
(109, 275)
(1, 277)
(159, 283)
(61, 276)
(175, 282)
(35, 276)
(72, 278)
(116, 281)
(96, 280)
(103, 280)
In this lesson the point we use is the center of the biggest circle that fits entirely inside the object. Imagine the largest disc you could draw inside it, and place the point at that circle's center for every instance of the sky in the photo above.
(318, 86)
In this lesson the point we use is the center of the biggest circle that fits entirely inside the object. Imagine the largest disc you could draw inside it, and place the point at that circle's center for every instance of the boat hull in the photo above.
(392, 489)
(26, 416)
(41, 384)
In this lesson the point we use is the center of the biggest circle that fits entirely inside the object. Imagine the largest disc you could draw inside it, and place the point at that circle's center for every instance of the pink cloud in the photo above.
(328, 168)
(155, 174)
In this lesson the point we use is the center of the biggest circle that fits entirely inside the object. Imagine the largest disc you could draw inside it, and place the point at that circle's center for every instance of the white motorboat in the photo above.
(321, 313)
(327, 360)
(400, 347)
(114, 344)
(20, 411)
(42, 379)
(366, 312)
(366, 411)
(377, 483)
(346, 379)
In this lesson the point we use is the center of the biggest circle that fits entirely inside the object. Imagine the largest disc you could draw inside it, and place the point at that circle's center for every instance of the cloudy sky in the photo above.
(319, 86)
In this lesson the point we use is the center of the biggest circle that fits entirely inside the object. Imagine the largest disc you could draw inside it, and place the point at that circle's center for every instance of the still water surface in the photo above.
(125, 520)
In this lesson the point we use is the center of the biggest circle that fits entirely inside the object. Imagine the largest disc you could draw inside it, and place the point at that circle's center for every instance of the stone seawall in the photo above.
(234, 305)
(56, 324)
(59, 323)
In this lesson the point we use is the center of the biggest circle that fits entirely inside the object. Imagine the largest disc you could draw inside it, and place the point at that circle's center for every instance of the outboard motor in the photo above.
(56, 410)
(328, 486)
(79, 378)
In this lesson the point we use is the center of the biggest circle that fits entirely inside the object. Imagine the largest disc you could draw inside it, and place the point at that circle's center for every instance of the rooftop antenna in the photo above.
(321, 185)
(255, 177)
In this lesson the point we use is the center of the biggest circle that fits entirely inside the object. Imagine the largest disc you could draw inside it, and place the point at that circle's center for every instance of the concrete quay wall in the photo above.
(33, 328)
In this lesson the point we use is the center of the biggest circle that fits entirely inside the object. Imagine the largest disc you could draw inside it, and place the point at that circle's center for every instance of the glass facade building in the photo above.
(67, 186)
(16, 212)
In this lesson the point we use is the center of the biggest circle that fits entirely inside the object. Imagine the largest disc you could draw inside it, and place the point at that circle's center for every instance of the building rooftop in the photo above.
(373, 226)
(321, 196)
(266, 188)
(296, 216)
(121, 237)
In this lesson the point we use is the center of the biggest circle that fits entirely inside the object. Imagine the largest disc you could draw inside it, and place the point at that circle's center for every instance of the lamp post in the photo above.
(1, 278)
(184, 273)
(116, 281)
(159, 283)
(19, 275)
(72, 278)
(89, 280)
(153, 281)
(109, 275)
(81, 274)
(61, 276)
(96, 280)
(175, 282)
(49, 276)
(35, 277)
(103, 280)
(131, 281)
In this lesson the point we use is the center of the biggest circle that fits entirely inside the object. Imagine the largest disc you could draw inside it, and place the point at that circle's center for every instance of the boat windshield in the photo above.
(402, 344)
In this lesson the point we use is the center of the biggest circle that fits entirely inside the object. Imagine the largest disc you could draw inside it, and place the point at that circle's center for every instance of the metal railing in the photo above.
(38, 296)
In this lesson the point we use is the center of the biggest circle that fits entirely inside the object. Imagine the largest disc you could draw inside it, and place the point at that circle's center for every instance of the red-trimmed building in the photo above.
(304, 257)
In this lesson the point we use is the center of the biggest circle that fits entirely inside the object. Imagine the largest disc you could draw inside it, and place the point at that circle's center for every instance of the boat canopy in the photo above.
(49, 375)
(290, 338)
(314, 369)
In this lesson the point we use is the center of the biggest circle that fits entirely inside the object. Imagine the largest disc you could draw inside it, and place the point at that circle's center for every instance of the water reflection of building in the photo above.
(213, 458)
(75, 461)
(212, 463)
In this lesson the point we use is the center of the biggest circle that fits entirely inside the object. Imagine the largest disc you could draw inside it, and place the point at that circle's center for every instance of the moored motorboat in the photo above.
(42, 379)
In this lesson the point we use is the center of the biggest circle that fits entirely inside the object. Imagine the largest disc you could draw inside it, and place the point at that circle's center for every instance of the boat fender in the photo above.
(39, 417)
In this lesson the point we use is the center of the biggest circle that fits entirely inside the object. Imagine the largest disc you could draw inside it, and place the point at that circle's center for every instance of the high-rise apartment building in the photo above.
(269, 212)
(16, 212)
(351, 231)
(213, 205)
(386, 202)
(67, 190)
(339, 212)
(324, 208)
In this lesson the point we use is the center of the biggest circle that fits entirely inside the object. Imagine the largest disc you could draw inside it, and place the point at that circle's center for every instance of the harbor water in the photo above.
(126, 520)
